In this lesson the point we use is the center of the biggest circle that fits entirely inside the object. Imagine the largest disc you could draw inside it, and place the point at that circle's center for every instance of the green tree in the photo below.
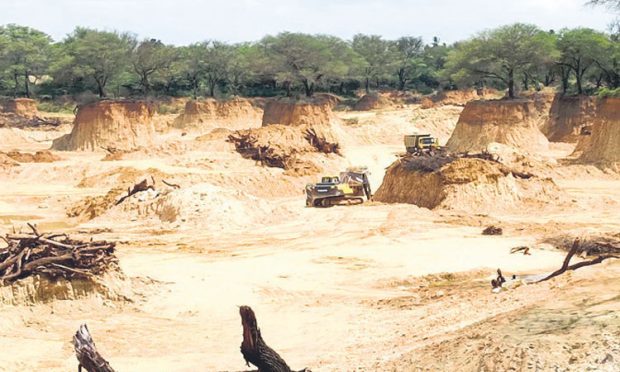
(193, 65)
(409, 60)
(149, 57)
(240, 71)
(580, 49)
(99, 56)
(378, 57)
(501, 54)
(307, 59)
(217, 57)
(25, 54)
(434, 57)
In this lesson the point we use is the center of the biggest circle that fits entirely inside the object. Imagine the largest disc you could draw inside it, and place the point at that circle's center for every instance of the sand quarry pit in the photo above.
(383, 286)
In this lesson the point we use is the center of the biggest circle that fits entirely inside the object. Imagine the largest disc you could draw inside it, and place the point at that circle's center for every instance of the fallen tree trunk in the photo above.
(87, 355)
(255, 350)
(566, 264)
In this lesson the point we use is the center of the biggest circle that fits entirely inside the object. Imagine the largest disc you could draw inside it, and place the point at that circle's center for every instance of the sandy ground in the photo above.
(369, 287)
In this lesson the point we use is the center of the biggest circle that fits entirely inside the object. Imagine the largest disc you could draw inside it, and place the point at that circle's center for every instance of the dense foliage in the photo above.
(94, 63)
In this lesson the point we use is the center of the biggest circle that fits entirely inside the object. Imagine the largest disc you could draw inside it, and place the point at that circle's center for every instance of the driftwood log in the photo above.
(524, 249)
(566, 264)
(493, 230)
(87, 355)
(53, 255)
(254, 348)
(138, 187)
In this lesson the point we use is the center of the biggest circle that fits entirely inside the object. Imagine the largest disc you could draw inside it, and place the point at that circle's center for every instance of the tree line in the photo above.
(115, 64)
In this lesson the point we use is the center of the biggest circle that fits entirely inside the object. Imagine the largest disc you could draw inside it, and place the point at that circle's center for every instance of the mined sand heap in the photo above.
(511, 122)
(122, 125)
(471, 184)
(24, 107)
(373, 101)
(603, 145)
(209, 114)
(331, 99)
(287, 112)
(569, 118)
(290, 131)
(457, 97)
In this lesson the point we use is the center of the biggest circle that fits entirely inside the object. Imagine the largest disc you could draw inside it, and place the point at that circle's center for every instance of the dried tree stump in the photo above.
(87, 355)
(254, 348)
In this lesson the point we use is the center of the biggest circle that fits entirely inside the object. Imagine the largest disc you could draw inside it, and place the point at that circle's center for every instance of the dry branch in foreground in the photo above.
(566, 264)
(86, 353)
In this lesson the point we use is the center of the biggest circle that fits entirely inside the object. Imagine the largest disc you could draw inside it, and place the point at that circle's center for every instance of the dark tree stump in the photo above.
(87, 354)
(255, 350)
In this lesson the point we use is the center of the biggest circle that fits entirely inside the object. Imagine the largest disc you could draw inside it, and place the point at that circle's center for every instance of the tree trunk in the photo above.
(565, 73)
(212, 89)
(367, 85)
(254, 349)
(578, 76)
(308, 88)
(511, 84)
(100, 89)
(87, 354)
(526, 83)
(26, 84)
(402, 80)
(16, 87)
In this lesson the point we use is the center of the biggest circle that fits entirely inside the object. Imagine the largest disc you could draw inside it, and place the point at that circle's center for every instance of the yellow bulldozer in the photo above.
(350, 187)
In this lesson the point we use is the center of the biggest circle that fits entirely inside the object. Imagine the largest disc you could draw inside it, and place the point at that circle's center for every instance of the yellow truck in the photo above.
(420, 143)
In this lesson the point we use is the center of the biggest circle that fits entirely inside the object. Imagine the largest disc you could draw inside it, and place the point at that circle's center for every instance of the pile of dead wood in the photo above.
(430, 161)
(54, 256)
(276, 145)
(17, 121)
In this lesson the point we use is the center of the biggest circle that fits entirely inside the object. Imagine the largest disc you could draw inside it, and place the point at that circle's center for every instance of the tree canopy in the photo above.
(109, 63)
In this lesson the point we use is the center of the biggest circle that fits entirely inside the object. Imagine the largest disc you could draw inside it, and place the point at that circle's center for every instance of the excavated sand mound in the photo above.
(11, 138)
(603, 145)
(374, 101)
(511, 122)
(458, 97)
(123, 125)
(211, 113)
(7, 162)
(24, 107)
(328, 98)
(292, 113)
(37, 289)
(44, 156)
(467, 184)
(569, 117)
